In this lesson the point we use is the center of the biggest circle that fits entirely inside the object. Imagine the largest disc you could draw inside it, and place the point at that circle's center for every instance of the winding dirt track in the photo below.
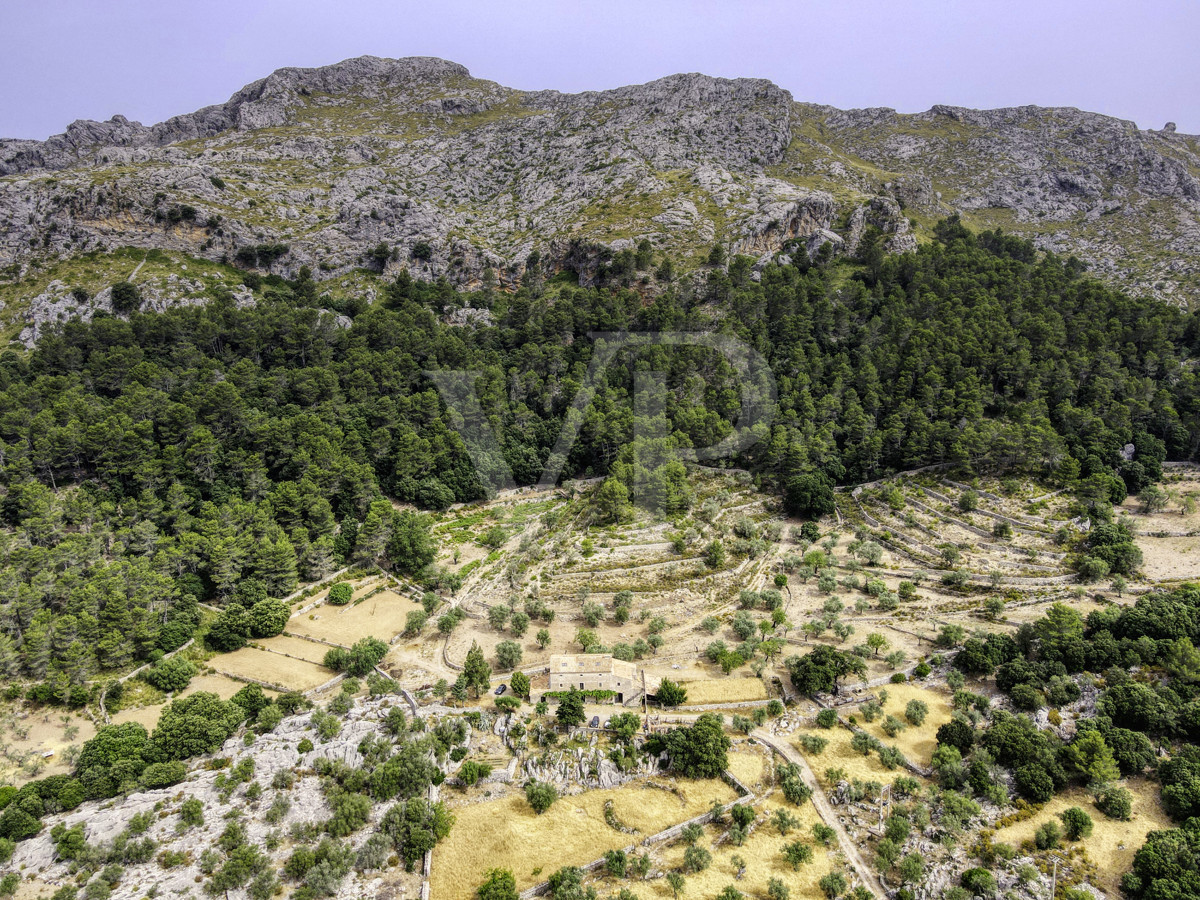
(824, 809)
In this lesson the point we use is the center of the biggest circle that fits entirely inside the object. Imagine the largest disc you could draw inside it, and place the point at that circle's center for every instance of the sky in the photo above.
(149, 60)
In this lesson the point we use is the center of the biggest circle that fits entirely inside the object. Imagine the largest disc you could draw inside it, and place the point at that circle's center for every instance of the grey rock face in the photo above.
(419, 156)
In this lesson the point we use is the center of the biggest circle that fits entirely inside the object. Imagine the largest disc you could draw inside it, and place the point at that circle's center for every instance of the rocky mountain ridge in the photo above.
(455, 176)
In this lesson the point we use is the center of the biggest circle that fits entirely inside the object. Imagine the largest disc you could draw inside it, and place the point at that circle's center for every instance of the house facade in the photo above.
(598, 672)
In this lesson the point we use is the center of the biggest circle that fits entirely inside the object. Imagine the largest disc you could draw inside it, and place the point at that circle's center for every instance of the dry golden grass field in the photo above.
(1112, 844)
(840, 755)
(763, 856)
(725, 690)
(221, 685)
(294, 646)
(1169, 558)
(380, 616)
(508, 833)
(749, 768)
(295, 674)
(916, 743)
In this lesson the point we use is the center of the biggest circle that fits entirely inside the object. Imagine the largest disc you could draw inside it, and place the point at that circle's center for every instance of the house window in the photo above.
(581, 685)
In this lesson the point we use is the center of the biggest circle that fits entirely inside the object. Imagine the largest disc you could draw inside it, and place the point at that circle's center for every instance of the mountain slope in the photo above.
(456, 176)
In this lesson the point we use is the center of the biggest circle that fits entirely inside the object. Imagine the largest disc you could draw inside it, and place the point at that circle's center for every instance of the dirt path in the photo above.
(824, 809)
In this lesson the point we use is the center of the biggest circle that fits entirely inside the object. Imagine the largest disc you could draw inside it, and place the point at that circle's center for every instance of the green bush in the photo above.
(1048, 836)
(340, 594)
(126, 297)
(164, 774)
(1116, 803)
(268, 618)
(170, 675)
(540, 796)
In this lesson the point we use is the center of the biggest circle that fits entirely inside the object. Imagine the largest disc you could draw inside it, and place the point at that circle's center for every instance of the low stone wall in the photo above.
(967, 487)
(321, 687)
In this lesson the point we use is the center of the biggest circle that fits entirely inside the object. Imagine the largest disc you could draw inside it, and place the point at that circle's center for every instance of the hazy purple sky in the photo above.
(151, 59)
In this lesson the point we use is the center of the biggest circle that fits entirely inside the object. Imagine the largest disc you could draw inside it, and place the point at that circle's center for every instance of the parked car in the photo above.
(500, 690)
(595, 723)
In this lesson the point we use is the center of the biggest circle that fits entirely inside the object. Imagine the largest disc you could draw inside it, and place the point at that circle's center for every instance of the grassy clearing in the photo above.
(725, 690)
(295, 647)
(1112, 844)
(840, 755)
(1169, 558)
(508, 833)
(762, 853)
(748, 768)
(221, 685)
(272, 668)
(146, 715)
(380, 616)
(916, 743)
(28, 734)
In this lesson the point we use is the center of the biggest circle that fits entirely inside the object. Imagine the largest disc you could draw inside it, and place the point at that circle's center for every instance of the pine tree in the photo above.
(477, 670)
(222, 566)
(277, 567)
(372, 538)
(318, 562)
(113, 649)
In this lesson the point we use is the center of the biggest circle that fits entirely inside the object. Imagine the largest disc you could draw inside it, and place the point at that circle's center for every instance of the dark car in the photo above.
(500, 690)
(595, 723)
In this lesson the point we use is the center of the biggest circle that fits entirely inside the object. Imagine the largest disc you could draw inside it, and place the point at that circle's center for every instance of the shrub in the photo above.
(191, 812)
(498, 884)
(340, 594)
(359, 660)
(350, 813)
(616, 863)
(793, 786)
(827, 718)
(979, 882)
(508, 654)
(1048, 836)
(541, 796)
(813, 744)
(1076, 823)
(471, 772)
(833, 885)
(797, 854)
(696, 859)
(170, 675)
(126, 297)
(916, 711)
(1116, 803)
(1026, 696)
(742, 815)
(268, 618)
(891, 757)
(164, 774)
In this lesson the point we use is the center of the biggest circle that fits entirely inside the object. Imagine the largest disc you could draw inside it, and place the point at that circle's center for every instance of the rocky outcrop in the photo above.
(583, 769)
(267, 103)
(272, 753)
(1073, 181)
